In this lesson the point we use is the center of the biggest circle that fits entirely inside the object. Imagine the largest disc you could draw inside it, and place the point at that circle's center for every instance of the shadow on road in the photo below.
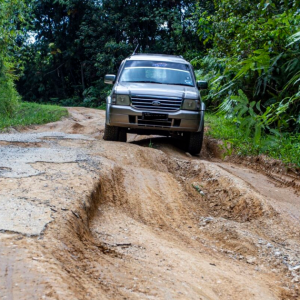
(160, 143)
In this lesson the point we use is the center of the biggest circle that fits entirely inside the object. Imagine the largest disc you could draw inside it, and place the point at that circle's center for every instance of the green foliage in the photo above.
(91, 96)
(54, 63)
(283, 146)
(150, 144)
(8, 94)
(11, 14)
(77, 42)
(31, 114)
(251, 118)
(102, 106)
(253, 64)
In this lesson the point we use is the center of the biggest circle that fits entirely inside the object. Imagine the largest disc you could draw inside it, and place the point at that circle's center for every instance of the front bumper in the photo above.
(129, 117)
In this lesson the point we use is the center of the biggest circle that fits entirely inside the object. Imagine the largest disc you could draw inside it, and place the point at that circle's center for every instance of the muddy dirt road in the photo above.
(82, 218)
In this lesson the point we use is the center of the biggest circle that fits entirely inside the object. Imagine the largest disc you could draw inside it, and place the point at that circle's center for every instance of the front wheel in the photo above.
(111, 133)
(194, 141)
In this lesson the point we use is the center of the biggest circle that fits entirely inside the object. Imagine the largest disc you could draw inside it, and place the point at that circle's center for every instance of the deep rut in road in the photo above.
(132, 222)
(161, 227)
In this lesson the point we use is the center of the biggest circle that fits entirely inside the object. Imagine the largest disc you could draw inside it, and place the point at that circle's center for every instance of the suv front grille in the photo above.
(156, 103)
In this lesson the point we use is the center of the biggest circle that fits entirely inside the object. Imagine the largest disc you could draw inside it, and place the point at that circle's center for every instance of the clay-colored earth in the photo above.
(83, 218)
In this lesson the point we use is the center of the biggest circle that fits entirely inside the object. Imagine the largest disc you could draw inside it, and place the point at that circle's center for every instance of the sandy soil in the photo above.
(129, 221)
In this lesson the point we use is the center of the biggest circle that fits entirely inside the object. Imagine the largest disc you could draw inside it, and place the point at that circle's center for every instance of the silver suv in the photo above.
(155, 94)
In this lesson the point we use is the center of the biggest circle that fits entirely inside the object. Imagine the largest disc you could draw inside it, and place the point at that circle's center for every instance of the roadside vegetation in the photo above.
(252, 62)
(14, 112)
(32, 114)
(285, 147)
(59, 51)
(9, 97)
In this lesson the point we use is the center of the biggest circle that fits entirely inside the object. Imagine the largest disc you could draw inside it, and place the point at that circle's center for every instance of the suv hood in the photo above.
(134, 88)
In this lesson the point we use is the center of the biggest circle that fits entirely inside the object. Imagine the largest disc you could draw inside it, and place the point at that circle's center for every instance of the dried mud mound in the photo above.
(157, 227)
(221, 195)
(133, 222)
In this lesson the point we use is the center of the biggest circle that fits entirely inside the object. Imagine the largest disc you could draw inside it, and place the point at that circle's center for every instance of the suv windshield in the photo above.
(157, 72)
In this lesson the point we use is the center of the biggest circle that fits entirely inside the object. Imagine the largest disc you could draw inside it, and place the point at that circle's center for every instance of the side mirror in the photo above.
(109, 79)
(202, 85)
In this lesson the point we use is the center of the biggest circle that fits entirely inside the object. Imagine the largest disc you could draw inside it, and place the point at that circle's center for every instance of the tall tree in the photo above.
(11, 13)
(77, 42)
(53, 60)
(251, 56)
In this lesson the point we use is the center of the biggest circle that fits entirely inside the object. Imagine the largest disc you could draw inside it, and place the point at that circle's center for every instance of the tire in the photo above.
(122, 135)
(194, 141)
(111, 133)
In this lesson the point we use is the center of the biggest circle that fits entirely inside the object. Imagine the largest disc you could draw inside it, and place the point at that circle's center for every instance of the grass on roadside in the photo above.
(33, 113)
(285, 147)
(102, 106)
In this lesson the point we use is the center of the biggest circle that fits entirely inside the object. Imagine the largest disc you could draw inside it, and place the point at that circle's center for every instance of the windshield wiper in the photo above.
(145, 81)
(152, 81)
(179, 84)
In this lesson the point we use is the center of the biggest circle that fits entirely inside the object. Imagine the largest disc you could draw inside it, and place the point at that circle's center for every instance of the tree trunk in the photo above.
(82, 76)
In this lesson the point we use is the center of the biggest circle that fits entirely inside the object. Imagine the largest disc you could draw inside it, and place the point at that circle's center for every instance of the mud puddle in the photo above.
(135, 221)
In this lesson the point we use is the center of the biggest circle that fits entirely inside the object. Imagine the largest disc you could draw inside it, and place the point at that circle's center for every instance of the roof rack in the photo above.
(157, 54)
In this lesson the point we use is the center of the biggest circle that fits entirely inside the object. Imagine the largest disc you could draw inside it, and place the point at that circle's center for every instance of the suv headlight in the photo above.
(189, 104)
(120, 100)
